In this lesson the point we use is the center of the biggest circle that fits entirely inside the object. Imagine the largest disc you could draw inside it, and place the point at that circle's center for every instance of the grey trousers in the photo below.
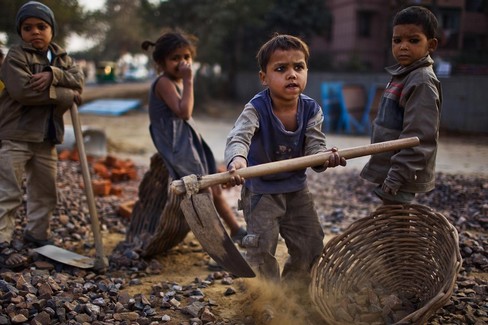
(38, 162)
(291, 215)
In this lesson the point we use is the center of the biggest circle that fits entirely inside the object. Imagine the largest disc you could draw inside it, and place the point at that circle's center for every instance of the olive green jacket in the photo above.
(29, 115)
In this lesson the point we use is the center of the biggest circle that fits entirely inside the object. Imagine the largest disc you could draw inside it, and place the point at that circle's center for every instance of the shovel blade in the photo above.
(66, 257)
(205, 224)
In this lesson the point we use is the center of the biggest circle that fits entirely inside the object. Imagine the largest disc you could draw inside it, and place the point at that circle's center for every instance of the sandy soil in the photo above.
(128, 136)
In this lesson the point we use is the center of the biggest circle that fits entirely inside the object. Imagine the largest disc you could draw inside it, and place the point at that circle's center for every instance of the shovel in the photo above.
(203, 219)
(61, 255)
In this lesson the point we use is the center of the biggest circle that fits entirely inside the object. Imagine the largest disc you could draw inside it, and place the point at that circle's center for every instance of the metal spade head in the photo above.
(204, 221)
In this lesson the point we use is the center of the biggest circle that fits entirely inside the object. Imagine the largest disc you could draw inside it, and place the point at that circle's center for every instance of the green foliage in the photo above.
(231, 31)
(123, 28)
(303, 18)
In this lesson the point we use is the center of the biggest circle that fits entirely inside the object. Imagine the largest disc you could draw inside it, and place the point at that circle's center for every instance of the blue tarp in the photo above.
(110, 106)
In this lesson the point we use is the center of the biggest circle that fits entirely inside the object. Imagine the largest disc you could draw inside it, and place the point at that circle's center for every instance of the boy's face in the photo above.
(285, 75)
(36, 32)
(409, 44)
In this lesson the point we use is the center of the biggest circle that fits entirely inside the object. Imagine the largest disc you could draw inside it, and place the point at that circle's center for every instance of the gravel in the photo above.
(52, 293)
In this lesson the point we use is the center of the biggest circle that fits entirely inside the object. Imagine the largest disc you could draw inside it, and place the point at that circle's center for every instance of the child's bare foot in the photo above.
(11, 259)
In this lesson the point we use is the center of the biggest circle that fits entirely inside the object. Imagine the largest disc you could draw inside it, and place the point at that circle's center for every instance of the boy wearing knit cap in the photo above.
(41, 83)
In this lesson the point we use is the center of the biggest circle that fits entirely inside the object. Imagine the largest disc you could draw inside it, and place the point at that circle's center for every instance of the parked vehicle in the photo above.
(136, 73)
(106, 72)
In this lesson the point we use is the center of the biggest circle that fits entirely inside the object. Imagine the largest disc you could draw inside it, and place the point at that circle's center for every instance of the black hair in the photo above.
(280, 42)
(168, 42)
(418, 15)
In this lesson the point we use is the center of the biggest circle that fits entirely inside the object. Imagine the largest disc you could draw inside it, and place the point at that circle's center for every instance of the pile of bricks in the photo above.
(106, 172)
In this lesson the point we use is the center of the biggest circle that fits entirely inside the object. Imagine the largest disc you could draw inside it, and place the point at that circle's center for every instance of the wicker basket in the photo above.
(397, 266)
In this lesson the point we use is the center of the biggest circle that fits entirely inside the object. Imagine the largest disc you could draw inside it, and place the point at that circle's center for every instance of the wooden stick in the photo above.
(101, 263)
(293, 164)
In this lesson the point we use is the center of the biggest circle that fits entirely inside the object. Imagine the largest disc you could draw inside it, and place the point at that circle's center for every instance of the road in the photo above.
(129, 134)
(460, 154)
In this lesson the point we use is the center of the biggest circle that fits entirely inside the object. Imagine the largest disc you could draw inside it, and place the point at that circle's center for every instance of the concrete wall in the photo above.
(465, 98)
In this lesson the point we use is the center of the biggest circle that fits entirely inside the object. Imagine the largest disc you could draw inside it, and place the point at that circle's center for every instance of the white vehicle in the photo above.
(136, 73)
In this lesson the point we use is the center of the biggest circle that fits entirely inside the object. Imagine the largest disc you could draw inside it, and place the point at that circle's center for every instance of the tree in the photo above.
(123, 28)
(232, 31)
(302, 18)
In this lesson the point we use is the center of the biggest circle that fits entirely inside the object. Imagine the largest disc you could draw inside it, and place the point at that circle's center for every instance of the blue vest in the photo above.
(272, 142)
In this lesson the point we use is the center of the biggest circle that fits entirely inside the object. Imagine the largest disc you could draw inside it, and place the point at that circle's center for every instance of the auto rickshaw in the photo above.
(106, 72)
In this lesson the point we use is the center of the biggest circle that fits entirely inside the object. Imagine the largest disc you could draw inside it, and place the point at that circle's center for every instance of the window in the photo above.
(475, 5)
(364, 22)
(450, 22)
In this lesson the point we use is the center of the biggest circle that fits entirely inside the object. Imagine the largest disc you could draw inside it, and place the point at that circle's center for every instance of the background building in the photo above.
(361, 32)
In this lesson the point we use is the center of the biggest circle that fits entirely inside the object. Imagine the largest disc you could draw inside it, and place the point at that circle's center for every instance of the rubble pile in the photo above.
(52, 293)
(107, 172)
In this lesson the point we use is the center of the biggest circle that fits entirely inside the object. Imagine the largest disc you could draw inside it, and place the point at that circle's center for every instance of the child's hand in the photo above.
(388, 190)
(77, 97)
(184, 68)
(41, 81)
(335, 159)
(237, 163)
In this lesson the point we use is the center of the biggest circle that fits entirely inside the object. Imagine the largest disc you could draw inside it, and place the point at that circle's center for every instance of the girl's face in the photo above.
(409, 44)
(36, 32)
(285, 75)
(176, 65)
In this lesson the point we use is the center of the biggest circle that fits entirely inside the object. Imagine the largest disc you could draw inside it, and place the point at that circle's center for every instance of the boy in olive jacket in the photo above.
(41, 83)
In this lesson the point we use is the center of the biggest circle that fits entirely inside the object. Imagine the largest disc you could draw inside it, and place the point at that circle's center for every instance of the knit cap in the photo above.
(37, 10)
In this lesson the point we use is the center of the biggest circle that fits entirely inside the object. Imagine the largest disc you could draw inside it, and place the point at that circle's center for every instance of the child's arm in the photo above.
(239, 138)
(314, 137)
(239, 141)
(181, 105)
(315, 143)
(70, 78)
(421, 119)
(18, 82)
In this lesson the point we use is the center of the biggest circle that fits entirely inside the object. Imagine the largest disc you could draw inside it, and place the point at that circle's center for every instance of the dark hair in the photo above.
(418, 15)
(280, 42)
(168, 42)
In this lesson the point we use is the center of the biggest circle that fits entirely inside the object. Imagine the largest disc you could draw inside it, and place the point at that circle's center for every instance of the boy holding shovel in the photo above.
(280, 123)
(41, 83)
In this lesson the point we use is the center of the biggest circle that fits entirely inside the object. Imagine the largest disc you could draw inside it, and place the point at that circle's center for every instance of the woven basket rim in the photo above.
(341, 258)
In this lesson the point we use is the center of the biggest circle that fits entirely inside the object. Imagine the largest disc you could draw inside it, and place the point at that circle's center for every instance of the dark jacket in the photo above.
(32, 116)
(411, 106)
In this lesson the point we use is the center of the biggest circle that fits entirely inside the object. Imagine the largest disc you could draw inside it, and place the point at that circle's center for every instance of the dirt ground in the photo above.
(128, 137)
(254, 300)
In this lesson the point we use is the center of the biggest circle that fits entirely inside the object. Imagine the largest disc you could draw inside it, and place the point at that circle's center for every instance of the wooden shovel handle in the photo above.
(293, 164)
(101, 262)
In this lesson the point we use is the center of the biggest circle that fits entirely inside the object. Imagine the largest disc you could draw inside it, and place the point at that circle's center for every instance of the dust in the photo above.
(277, 303)
(258, 300)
